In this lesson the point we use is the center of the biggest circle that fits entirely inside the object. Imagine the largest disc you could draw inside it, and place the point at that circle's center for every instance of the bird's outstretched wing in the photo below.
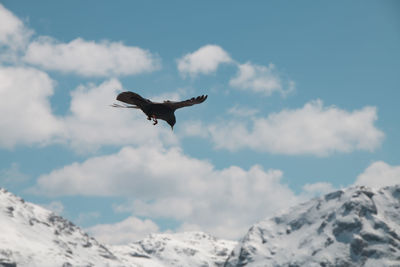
(133, 99)
(189, 102)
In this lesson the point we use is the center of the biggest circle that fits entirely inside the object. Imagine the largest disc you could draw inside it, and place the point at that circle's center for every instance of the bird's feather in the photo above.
(189, 102)
(133, 99)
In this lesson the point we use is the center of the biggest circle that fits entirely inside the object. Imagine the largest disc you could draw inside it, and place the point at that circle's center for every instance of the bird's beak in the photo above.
(172, 128)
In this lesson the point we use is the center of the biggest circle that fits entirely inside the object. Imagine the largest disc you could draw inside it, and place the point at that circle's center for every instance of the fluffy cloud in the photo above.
(205, 60)
(317, 189)
(256, 78)
(242, 111)
(260, 79)
(90, 58)
(13, 34)
(123, 232)
(313, 129)
(55, 206)
(12, 176)
(26, 117)
(25, 112)
(379, 174)
(166, 183)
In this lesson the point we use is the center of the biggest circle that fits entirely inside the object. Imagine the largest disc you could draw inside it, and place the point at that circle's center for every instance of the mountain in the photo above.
(33, 236)
(353, 227)
(357, 226)
(181, 249)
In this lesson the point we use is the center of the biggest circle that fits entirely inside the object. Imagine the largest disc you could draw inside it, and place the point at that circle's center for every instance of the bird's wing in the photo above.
(133, 99)
(189, 102)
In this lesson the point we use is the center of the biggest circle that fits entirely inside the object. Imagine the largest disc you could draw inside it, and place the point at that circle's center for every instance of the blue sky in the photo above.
(303, 99)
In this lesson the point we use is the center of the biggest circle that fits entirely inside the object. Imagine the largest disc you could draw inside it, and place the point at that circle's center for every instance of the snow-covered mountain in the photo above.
(33, 236)
(353, 227)
(181, 249)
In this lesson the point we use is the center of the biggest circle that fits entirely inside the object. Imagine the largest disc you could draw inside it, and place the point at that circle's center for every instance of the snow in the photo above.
(353, 227)
(357, 226)
(181, 249)
(33, 236)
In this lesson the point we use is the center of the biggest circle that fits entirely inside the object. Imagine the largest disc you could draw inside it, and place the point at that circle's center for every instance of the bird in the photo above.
(155, 110)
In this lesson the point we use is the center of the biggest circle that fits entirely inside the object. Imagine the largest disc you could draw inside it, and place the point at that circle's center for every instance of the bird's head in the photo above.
(171, 121)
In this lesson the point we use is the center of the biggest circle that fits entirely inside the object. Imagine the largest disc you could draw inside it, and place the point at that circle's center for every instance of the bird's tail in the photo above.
(114, 105)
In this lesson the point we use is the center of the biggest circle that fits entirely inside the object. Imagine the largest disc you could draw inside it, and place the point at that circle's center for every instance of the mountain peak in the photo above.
(357, 226)
(34, 236)
(352, 227)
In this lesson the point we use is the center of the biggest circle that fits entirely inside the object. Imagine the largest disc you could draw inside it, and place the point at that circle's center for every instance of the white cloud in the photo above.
(242, 111)
(55, 206)
(312, 129)
(194, 128)
(260, 79)
(379, 174)
(25, 112)
(13, 175)
(317, 189)
(126, 231)
(89, 58)
(205, 60)
(13, 34)
(166, 183)
(93, 123)
(26, 117)
(85, 217)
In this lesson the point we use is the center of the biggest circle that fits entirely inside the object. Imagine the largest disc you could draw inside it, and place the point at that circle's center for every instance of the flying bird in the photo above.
(154, 110)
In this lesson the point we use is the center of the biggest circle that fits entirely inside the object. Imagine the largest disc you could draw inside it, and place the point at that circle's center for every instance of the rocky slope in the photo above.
(353, 227)
(33, 236)
(181, 249)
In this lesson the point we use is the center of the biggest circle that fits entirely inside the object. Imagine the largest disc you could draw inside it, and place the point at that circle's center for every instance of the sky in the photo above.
(302, 100)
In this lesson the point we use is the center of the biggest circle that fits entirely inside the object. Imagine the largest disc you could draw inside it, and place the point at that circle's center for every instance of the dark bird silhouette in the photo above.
(153, 110)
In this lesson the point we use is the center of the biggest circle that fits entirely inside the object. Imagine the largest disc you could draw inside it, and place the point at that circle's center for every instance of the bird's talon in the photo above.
(154, 119)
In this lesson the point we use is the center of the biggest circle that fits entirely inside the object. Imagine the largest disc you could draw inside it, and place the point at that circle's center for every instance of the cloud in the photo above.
(13, 34)
(26, 117)
(317, 189)
(126, 231)
(260, 79)
(379, 174)
(13, 175)
(82, 57)
(85, 217)
(165, 183)
(205, 60)
(312, 129)
(55, 206)
(89, 58)
(251, 77)
(242, 111)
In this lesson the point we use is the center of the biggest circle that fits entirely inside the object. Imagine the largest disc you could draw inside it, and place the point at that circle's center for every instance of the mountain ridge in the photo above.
(356, 226)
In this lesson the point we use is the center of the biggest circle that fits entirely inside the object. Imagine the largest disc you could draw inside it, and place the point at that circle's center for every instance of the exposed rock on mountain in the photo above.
(33, 236)
(353, 227)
